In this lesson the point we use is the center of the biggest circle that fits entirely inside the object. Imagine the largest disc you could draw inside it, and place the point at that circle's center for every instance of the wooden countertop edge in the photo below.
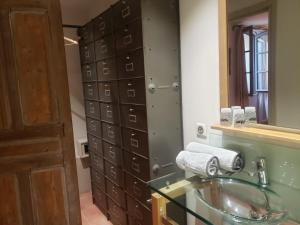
(266, 135)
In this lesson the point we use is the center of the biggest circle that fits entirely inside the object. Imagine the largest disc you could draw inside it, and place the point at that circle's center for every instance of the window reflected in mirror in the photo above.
(249, 51)
(263, 59)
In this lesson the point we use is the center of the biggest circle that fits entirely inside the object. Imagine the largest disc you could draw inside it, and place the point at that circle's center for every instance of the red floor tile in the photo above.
(90, 214)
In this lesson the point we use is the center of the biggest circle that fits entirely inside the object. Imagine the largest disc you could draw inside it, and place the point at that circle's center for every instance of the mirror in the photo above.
(263, 66)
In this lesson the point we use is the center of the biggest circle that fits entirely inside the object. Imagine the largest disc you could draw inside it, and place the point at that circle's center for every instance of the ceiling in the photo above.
(261, 19)
(79, 12)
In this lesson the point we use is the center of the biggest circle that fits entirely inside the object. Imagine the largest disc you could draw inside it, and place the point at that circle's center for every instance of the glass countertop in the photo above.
(183, 190)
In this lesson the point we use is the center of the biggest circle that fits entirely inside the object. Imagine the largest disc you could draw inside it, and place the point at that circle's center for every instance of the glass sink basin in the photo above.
(241, 202)
(220, 201)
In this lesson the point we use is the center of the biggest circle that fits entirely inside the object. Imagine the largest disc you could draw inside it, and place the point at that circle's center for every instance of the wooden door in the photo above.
(38, 181)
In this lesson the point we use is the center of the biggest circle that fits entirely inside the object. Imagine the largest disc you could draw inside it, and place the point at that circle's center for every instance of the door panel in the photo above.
(5, 114)
(49, 193)
(9, 204)
(32, 58)
(37, 158)
(23, 148)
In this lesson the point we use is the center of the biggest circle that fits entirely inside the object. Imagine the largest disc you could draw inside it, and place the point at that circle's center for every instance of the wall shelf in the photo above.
(278, 137)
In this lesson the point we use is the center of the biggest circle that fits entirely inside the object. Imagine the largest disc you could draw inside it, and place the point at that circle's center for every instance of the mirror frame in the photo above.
(224, 60)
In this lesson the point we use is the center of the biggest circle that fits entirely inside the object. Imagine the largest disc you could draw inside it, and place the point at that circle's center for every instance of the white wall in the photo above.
(200, 65)
(287, 70)
(200, 69)
(76, 13)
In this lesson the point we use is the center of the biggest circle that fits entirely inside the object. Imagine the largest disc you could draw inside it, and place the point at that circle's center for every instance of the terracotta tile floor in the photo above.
(90, 214)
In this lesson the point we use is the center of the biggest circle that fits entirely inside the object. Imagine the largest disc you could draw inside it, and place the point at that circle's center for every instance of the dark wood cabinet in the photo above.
(98, 179)
(132, 101)
(113, 154)
(110, 113)
(117, 214)
(116, 193)
(104, 48)
(138, 214)
(95, 144)
(132, 91)
(93, 126)
(137, 188)
(107, 70)
(129, 37)
(126, 11)
(135, 141)
(86, 33)
(92, 109)
(108, 91)
(97, 162)
(89, 72)
(103, 24)
(87, 53)
(137, 165)
(131, 64)
(114, 174)
(134, 116)
(90, 91)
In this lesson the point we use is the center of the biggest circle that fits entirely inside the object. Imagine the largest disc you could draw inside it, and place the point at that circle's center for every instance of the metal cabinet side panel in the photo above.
(162, 70)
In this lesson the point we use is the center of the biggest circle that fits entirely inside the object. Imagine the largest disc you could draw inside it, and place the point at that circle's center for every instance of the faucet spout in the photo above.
(262, 172)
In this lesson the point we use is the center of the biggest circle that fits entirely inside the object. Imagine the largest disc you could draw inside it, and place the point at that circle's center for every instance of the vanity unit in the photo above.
(216, 201)
(130, 66)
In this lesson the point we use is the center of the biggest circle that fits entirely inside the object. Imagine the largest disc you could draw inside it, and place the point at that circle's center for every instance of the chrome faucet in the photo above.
(260, 171)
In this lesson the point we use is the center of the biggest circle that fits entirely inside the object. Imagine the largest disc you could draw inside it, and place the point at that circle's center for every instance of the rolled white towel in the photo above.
(229, 160)
(200, 163)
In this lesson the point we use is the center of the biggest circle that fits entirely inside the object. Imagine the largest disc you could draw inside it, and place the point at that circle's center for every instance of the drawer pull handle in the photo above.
(129, 67)
(136, 190)
(111, 133)
(112, 154)
(92, 108)
(95, 144)
(132, 118)
(106, 71)
(93, 126)
(115, 192)
(89, 73)
(109, 114)
(102, 26)
(131, 93)
(137, 212)
(104, 49)
(125, 12)
(91, 92)
(134, 142)
(113, 172)
(127, 39)
(87, 54)
(135, 166)
(107, 92)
